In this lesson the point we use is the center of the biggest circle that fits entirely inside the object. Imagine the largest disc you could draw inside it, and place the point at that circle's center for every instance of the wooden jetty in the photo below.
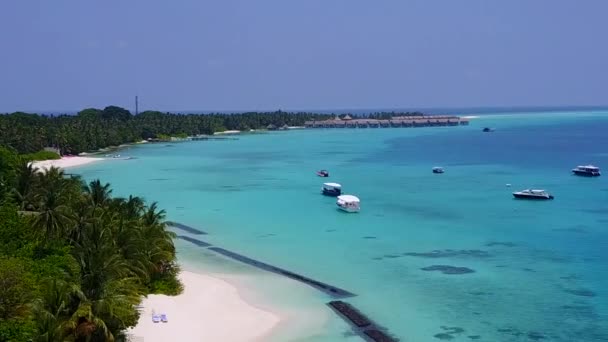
(185, 228)
(194, 241)
(360, 323)
(331, 290)
(396, 121)
(328, 289)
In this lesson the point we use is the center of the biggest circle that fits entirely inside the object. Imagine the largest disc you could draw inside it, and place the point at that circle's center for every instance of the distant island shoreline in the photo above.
(93, 129)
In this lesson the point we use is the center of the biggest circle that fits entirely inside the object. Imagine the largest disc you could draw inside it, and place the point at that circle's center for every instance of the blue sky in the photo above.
(313, 54)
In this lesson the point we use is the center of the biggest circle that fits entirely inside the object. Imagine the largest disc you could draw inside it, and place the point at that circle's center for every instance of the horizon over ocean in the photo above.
(537, 271)
(430, 110)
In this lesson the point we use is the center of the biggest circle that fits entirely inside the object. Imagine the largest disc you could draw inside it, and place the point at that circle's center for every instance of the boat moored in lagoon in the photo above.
(438, 169)
(349, 203)
(533, 194)
(587, 170)
(331, 189)
(323, 173)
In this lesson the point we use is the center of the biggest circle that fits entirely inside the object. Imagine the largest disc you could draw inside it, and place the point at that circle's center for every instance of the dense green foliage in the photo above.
(92, 129)
(41, 155)
(75, 261)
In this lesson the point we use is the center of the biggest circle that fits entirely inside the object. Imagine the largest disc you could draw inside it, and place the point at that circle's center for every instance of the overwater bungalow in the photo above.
(361, 123)
(420, 123)
(443, 122)
(397, 121)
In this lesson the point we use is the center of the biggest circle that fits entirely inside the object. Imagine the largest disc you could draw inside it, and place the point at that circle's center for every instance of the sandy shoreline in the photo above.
(64, 162)
(209, 309)
(234, 131)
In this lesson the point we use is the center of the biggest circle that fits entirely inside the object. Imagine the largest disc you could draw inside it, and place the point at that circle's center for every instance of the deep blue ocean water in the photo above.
(540, 268)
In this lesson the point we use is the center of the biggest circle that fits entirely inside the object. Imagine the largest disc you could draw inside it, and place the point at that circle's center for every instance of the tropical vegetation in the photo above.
(75, 261)
(92, 129)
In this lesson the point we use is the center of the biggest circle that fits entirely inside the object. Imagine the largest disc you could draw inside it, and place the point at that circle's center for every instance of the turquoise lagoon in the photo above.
(541, 271)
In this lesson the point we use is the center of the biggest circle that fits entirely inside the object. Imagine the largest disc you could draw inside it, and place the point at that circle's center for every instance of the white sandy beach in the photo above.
(227, 132)
(64, 162)
(470, 117)
(209, 309)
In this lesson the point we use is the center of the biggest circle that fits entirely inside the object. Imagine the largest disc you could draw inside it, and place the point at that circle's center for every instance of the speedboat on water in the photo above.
(331, 189)
(488, 129)
(349, 203)
(533, 194)
(586, 170)
(438, 169)
(323, 173)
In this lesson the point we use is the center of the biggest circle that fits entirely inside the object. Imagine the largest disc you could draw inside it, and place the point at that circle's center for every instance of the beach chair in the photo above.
(163, 318)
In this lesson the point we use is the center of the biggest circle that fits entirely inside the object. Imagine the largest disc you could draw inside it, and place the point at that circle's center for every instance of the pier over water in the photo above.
(395, 121)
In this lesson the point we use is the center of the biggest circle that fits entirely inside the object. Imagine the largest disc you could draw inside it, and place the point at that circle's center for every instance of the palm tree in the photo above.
(26, 182)
(53, 177)
(52, 311)
(153, 217)
(134, 206)
(99, 194)
(54, 216)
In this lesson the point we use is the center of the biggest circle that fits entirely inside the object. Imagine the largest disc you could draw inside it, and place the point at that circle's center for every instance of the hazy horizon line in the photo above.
(430, 110)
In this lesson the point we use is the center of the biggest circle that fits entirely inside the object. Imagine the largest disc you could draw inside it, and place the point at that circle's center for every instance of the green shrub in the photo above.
(41, 155)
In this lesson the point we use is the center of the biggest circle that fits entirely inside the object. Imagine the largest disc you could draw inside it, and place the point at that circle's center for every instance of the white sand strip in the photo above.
(64, 162)
(470, 117)
(227, 132)
(209, 309)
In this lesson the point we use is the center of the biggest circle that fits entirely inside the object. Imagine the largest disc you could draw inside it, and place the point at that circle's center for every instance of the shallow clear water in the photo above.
(540, 267)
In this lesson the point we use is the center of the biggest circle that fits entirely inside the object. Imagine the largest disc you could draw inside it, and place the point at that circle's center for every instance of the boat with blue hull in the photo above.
(331, 189)
(587, 171)
(438, 169)
(533, 194)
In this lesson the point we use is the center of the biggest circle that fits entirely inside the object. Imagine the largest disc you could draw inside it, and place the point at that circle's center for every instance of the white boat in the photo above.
(438, 169)
(349, 203)
(533, 194)
(331, 189)
(587, 170)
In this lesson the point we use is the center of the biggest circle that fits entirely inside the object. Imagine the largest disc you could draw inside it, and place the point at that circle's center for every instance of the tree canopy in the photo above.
(75, 260)
(92, 128)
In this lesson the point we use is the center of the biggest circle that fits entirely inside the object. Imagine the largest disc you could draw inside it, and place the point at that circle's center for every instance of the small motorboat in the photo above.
(331, 189)
(323, 173)
(587, 170)
(533, 194)
(438, 169)
(487, 129)
(349, 203)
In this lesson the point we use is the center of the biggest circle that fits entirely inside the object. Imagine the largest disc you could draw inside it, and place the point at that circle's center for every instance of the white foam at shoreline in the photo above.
(209, 309)
(64, 162)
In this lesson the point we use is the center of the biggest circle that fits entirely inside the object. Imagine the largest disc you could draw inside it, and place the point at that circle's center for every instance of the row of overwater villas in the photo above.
(414, 121)
(347, 203)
